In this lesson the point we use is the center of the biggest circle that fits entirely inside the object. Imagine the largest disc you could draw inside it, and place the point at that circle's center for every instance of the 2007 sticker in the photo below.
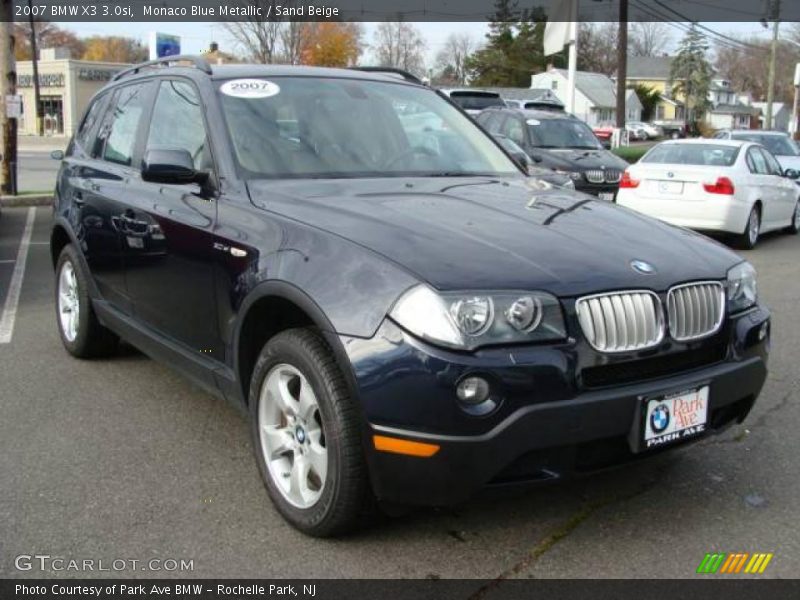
(250, 88)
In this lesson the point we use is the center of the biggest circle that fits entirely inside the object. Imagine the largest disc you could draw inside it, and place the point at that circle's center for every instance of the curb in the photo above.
(31, 200)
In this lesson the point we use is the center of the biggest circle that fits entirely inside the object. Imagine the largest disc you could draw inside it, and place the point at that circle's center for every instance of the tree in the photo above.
(48, 35)
(257, 37)
(331, 44)
(649, 38)
(597, 47)
(292, 38)
(400, 45)
(649, 97)
(691, 73)
(114, 48)
(744, 67)
(513, 49)
(453, 57)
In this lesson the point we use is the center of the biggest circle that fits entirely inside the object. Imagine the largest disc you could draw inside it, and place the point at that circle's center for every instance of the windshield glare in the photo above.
(562, 133)
(315, 127)
(692, 154)
(777, 144)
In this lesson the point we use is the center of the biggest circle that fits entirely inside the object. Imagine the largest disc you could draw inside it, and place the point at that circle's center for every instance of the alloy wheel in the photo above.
(796, 218)
(68, 301)
(292, 437)
(753, 226)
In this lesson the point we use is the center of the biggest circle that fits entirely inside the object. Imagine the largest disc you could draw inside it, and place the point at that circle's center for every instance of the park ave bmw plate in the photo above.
(675, 417)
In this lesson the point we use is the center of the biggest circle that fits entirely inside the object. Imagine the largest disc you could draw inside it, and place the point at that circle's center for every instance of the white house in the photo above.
(728, 111)
(781, 115)
(595, 95)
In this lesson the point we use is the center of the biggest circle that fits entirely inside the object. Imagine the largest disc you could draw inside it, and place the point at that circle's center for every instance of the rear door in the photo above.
(169, 242)
(768, 188)
(785, 190)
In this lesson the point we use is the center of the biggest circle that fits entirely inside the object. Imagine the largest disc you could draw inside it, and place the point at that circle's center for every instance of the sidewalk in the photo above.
(43, 144)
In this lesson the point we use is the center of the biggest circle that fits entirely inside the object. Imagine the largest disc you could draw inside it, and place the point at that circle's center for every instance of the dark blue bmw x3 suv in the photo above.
(405, 315)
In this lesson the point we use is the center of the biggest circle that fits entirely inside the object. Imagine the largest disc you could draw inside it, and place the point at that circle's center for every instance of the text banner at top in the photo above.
(397, 10)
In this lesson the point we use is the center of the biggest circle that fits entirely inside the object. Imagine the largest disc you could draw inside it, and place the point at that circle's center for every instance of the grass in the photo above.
(631, 153)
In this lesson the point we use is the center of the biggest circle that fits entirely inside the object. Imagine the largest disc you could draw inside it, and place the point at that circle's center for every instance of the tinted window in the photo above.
(336, 127)
(177, 122)
(693, 154)
(476, 100)
(561, 133)
(127, 115)
(93, 115)
(779, 145)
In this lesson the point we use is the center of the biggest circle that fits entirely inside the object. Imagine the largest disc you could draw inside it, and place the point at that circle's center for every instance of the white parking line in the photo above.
(12, 299)
(3, 262)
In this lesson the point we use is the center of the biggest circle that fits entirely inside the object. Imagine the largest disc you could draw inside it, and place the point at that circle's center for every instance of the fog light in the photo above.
(473, 390)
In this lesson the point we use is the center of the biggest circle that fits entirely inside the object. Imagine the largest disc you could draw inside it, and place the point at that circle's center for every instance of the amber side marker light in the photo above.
(398, 446)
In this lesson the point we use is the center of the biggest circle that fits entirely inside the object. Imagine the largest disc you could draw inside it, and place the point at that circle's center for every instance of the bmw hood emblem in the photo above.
(643, 267)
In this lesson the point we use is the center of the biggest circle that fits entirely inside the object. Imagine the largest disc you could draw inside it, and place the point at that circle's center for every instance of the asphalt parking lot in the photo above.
(122, 458)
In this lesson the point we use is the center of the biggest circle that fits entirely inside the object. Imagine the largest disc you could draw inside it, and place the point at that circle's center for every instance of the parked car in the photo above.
(406, 323)
(562, 143)
(473, 101)
(525, 161)
(635, 133)
(541, 104)
(651, 131)
(604, 132)
(778, 143)
(672, 129)
(714, 185)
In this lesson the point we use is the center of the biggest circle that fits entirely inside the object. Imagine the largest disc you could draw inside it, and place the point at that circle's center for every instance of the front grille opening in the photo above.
(650, 368)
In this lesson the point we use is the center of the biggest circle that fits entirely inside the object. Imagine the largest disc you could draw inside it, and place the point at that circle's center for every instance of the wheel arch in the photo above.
(272, 307)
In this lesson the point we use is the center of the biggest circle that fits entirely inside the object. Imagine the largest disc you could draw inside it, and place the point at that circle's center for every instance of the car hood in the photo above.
(580, 160)
(486, 233)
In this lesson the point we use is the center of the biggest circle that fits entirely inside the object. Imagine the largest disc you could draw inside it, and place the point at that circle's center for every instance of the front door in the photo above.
(168, 243)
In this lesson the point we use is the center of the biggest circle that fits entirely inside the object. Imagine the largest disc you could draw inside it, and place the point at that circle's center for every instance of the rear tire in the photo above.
(81, 333)
(307, 435)
(794, 228)
(748, 239)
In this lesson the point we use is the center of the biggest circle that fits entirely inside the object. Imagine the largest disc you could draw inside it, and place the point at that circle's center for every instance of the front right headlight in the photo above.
(469, 320)
(742, 287)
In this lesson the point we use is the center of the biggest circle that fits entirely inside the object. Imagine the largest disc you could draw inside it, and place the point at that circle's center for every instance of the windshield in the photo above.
(316, 127)
(562, 133)
(693, 154)
(476, 100)
(779, 145)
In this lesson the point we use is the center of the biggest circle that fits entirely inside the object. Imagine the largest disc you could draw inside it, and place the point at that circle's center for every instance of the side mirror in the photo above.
(537, 158)
(791, 174)
(170, 165)
(57, 155)
(521, 159)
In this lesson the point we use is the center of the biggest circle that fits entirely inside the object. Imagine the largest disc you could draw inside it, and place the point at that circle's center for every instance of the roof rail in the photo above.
(198, 62)
(391, 71)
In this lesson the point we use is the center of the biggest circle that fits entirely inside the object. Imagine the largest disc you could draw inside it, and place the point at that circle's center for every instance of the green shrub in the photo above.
(631, 153)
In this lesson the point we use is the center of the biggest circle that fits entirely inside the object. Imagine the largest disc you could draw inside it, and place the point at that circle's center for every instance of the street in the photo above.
(122, 458)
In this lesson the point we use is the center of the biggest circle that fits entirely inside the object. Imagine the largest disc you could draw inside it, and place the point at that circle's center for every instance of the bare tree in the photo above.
(649, 38)
(400, 45)
(256, 37)
(453, 55)
(597, 44)
(293, 40)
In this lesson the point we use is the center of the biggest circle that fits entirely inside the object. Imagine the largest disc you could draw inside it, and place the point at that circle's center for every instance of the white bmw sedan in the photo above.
(726, 186)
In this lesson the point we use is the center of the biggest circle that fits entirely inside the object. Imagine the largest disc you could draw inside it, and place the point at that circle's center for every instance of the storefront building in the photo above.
(65, 88)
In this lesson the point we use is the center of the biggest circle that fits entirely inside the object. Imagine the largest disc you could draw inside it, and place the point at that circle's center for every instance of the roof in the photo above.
(534, 113)
(598, 88)
(250, 70)
(757, 132)
(649, 67)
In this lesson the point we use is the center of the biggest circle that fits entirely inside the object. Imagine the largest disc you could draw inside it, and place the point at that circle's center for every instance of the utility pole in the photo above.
(622, 63)
(8, 87)
(35, 65)
(775, 10)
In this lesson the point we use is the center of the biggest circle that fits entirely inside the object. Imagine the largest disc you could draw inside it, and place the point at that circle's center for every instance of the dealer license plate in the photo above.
(606, 196)
(675, 417)
(670, 187)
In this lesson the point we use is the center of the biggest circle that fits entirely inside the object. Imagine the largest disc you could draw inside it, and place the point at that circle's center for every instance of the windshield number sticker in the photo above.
(250, 88)
(533, 122)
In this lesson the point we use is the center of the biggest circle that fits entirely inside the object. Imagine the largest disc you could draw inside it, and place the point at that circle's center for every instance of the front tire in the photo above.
(794, 228)
(749, 238)
(81, 333)
(306, 435)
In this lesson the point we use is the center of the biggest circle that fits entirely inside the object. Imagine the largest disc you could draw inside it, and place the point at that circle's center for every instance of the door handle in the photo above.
(77, 199)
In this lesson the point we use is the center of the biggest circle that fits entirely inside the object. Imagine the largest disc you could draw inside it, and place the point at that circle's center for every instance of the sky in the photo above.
(195, 37)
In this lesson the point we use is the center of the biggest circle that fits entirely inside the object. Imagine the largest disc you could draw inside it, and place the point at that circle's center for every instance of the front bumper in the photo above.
(556, 417)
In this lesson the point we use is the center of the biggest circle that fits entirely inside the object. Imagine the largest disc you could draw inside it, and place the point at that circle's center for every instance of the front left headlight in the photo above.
(742, 287)
(468, 320)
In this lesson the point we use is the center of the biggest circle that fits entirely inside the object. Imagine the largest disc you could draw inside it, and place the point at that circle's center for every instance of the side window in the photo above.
(177, 122)
(124, 124)
(759, 162)
(773, 166)
(492, 121)
(84, 134)
(513, 130)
